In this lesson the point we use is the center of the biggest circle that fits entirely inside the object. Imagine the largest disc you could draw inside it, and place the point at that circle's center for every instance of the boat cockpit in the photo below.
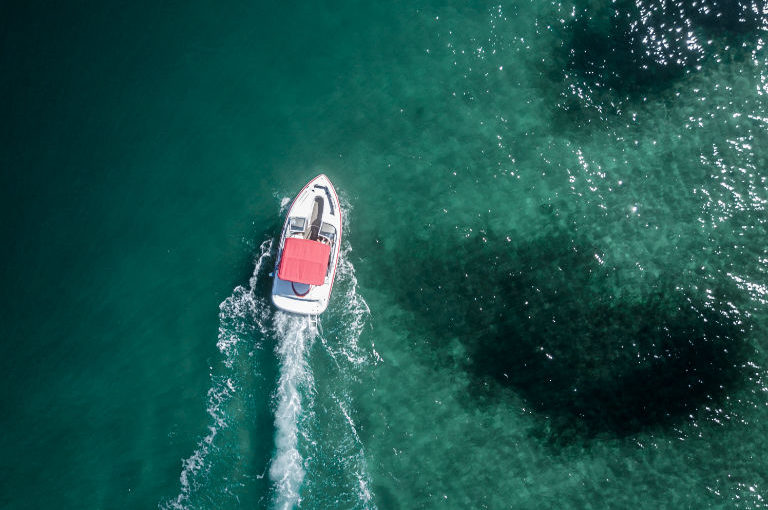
(325, 232)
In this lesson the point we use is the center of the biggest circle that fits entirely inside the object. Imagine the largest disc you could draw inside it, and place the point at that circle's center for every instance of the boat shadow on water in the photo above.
(593, 350)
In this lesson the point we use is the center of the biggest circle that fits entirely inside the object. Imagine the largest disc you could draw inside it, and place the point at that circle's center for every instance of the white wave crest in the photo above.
(243, 313)
(240, 314)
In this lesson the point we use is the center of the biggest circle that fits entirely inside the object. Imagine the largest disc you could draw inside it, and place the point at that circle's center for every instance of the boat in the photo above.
(308, 253)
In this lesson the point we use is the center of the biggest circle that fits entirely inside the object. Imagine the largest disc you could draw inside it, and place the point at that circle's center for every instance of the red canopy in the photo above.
(304, 261)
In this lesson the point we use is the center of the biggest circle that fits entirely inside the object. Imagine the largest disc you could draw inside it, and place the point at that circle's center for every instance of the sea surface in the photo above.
(553, 291)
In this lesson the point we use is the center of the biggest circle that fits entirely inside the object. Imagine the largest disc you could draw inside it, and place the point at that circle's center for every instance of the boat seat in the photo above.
(298, 225)
(328, 230)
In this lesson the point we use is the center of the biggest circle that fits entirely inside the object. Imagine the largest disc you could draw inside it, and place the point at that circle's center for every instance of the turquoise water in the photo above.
(554, 283)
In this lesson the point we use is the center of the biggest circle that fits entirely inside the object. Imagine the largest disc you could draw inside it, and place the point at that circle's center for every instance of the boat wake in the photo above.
(335, 440)
(318, 454)
(295, 336)
(243, 325)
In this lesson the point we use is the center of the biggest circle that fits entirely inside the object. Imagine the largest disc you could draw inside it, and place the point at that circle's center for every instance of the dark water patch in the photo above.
(630, 50)
(724, 18)
(594, 350)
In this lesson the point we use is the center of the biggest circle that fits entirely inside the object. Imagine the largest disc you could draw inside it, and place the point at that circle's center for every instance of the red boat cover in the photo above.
(304, 261)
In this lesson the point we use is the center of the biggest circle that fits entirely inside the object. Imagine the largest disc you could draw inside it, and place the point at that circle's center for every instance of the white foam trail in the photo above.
(352, 358)
(354, 316)
(295, 337)
(351, 314)
(240, 314)
(243, 313)
(364, 496)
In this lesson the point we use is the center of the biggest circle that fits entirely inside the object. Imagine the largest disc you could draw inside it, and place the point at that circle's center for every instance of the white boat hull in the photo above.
(317, 204)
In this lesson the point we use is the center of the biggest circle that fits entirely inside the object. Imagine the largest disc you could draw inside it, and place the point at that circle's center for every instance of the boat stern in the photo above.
(284, 298)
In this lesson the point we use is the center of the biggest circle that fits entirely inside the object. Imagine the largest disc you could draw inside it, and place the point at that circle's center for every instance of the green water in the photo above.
(555, 282)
